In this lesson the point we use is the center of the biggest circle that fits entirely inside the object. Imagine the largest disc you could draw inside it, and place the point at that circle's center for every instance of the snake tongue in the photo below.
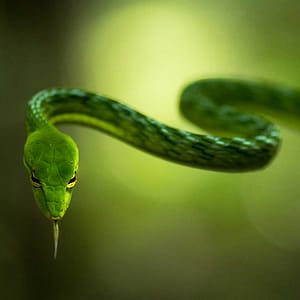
(55, 236)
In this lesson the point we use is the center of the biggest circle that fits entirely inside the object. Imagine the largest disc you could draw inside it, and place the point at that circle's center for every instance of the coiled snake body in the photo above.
(239, 141)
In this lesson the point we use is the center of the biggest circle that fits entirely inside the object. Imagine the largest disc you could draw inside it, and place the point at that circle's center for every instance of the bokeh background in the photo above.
(139, 227)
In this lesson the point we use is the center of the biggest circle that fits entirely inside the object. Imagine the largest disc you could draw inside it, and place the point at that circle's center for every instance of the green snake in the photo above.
(237, 142)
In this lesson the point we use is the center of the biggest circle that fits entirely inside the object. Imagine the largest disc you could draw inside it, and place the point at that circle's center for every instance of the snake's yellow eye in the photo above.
(35, 181)
(72, 181)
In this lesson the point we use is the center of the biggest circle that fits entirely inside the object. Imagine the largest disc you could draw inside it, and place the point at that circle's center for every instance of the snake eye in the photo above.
(72, 181)
(35, 181)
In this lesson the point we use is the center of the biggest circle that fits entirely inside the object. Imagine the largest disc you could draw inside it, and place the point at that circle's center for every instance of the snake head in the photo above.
(51, 159)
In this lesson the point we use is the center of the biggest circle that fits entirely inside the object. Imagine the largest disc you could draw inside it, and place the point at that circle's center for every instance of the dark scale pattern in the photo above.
(247, 141)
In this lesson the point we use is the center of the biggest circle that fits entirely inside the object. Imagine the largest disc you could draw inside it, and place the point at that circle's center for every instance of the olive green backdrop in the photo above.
(139, 227)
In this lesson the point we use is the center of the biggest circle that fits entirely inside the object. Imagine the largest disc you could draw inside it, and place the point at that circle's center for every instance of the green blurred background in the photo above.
(139, 227)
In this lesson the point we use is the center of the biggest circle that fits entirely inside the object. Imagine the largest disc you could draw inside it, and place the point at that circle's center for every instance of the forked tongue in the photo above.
(55, 236)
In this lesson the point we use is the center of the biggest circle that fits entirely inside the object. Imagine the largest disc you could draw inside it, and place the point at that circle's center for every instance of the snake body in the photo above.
(237, 142)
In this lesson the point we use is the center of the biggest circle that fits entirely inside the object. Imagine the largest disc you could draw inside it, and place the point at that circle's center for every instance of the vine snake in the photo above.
(237, 142)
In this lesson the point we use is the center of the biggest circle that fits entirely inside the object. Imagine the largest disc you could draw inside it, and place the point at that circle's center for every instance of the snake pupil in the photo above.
(35, 181)
(72, 181)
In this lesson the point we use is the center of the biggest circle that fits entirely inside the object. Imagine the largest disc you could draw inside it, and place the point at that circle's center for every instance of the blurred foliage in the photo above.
(140, 227)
